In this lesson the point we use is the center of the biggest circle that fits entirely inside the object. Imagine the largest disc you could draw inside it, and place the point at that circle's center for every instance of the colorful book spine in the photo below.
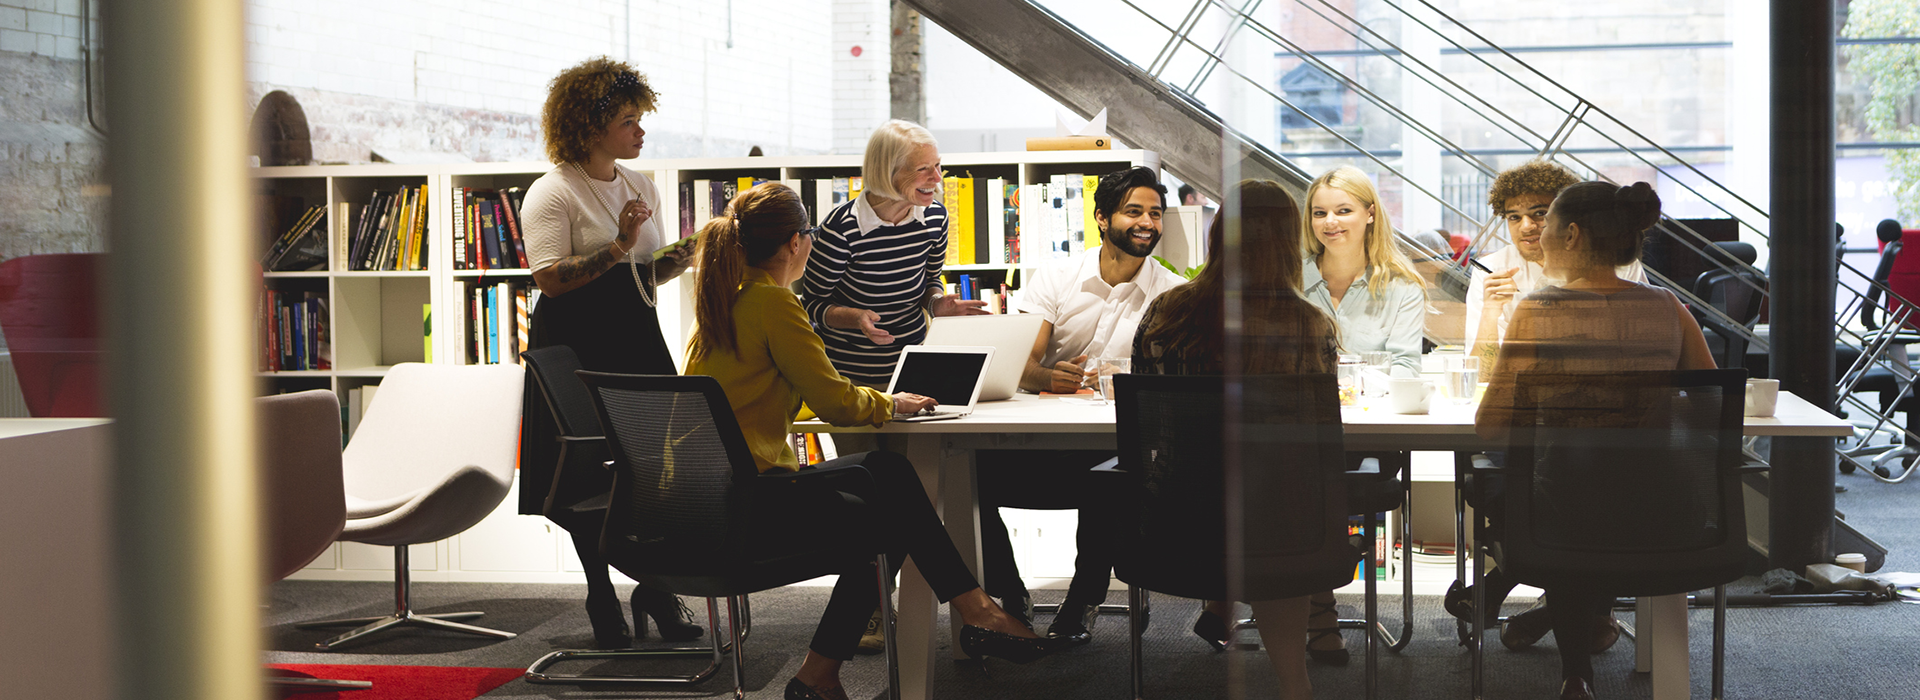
(1012, 226)
(960, 220)
(1089, 184)
(510, 206)
(949, 198)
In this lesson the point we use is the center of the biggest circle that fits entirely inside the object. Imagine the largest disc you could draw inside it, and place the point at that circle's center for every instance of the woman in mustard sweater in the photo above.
(754, 337)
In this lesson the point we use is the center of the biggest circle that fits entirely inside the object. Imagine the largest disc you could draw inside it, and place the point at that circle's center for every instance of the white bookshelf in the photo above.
(375, 317)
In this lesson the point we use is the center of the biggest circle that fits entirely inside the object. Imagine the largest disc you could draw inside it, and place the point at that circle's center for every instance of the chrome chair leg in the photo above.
(886, 625)
(1719, 641)
(403, 614)
(1137, 624)
(740, 626)
(316, 685)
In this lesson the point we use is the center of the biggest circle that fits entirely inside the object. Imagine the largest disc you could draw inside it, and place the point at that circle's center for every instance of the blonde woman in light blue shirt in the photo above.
(1356, 274)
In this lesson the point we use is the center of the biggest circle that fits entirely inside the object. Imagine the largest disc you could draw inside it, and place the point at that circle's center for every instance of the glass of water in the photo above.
(1379, 369)
(1104, 369)
(1463, 377)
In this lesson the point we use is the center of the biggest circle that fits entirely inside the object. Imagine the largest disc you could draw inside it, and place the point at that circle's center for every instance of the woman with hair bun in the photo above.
(754, 337)
(1589, 321)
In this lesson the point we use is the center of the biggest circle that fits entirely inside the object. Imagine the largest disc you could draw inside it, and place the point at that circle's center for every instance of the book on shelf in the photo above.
(702, 203)
(853, 187)
(687, 223)
(510, 201)
(302, 247)
(493, 326)
(392, 232)
(1011, 226)
(294, 331)
(1090, 226)
(950, 198)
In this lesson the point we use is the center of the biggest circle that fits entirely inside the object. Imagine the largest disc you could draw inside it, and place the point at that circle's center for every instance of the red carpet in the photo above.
(402, 682)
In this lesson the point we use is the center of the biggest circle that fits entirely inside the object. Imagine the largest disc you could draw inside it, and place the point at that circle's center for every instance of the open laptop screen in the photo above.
(947, 377)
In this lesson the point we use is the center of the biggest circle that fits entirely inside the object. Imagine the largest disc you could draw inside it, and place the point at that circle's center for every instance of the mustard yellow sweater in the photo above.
(779, 366)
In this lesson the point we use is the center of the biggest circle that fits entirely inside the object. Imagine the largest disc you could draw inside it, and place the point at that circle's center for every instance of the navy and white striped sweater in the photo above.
(887, 271)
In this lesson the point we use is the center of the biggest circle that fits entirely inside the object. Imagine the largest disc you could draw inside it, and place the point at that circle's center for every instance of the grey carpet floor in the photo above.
(1779, 652)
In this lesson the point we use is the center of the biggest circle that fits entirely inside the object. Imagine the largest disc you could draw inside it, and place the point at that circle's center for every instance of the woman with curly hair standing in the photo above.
(589, 232)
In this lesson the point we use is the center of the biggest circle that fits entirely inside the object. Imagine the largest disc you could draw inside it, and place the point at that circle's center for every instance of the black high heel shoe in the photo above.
(797, 690)
(980, 642)
(609, 624)
(1211, 629)
(1330, 657)
(670, 616)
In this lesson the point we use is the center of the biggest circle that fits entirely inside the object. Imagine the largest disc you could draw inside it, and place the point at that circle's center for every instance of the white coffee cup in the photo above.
(1409, 394)
(1762, 396)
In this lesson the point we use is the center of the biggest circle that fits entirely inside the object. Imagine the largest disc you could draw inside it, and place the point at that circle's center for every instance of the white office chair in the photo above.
(432, 457)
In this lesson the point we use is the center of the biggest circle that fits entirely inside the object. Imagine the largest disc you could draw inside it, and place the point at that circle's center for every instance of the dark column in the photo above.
(1801, 508)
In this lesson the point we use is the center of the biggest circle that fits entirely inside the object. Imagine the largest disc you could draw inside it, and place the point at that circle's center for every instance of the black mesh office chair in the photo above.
(680, 518)
(1626, 484)
(1737, 293)
(1280, 444)
(577, 498)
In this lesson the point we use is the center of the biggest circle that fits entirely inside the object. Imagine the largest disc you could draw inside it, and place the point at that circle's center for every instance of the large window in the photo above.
(1315, 93)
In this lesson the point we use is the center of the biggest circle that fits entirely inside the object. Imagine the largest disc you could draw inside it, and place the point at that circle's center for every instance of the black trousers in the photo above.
(1044, 480)
(611, 330)
(896, 518)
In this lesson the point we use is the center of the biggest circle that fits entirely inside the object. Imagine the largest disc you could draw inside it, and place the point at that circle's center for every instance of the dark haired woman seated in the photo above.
(1589, 321)
(754, 337)
(1280, 332)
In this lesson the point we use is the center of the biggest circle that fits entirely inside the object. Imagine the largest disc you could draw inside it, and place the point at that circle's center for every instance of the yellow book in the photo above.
(426, 331)
(853, 187)
(949, 197)
(744, 183)
(960, 220)
(419, 257)
(1090, 183)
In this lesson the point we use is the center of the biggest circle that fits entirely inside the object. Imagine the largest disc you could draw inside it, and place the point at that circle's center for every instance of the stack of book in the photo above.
(495, 320)
(486, 232)
(389, 232)
(293, 331)
(993, 222)
(703, 199)
(302, 246)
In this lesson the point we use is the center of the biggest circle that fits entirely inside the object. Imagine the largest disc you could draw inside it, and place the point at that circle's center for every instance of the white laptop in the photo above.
(949, 374)
(1011, 336)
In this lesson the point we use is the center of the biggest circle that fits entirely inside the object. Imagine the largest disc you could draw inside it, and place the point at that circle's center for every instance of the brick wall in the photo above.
(468, 76)
(861, 96)
(49, 157)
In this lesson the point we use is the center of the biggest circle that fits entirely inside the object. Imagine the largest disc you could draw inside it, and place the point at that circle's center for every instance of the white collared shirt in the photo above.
(1089, 316)
(1530, 278)
(867, 219)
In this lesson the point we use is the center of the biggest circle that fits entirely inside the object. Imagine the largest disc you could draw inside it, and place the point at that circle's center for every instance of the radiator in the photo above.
(12, 404)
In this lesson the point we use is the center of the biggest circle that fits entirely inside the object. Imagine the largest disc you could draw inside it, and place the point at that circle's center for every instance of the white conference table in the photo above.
(943, 452)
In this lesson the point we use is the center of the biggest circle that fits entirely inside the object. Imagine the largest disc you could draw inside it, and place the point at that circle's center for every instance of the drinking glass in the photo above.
(1463, 377)
(1348, 376)
(1104, 369)
(1379, 370)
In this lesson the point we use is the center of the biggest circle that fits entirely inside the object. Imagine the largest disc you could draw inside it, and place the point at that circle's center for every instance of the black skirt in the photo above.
(612, 330)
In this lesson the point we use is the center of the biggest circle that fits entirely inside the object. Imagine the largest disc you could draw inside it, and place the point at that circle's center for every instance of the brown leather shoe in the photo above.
(1576, 688)
(1609, 633)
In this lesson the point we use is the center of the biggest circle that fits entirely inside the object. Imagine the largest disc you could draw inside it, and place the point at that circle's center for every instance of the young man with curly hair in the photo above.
(589, 231)
(1519, 196)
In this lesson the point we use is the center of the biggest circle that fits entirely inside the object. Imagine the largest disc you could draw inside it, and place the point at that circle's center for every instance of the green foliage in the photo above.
(1893, 72)
(1188, 273)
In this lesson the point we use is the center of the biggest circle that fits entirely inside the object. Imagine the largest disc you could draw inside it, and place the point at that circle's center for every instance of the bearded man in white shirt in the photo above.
(1091, 304)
